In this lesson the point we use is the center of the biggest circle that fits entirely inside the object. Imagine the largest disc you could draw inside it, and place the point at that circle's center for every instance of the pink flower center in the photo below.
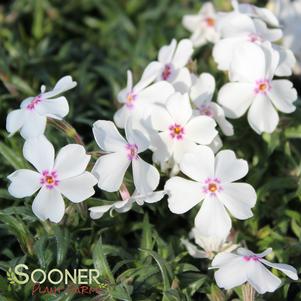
(251, 258)
(176, 131)
(210, 22)
(49, 179)
(212, 186)
(206, 110)
(262, 86)
(166, 72)
(254, 38)
(31, 106)
(132, 151)
(130, 100)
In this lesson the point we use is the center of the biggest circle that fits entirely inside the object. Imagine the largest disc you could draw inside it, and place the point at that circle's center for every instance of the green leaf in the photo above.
(101, 263)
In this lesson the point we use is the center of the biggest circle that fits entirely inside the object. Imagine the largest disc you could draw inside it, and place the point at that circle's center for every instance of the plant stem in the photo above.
(248, 292)
(67, 129)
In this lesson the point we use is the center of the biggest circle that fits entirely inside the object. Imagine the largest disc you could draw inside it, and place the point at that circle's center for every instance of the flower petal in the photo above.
(78, 188)
(166, 52)
(179, 108)
(203, 89)
(201, 129)
(152, 197)
(49, 204)
(34, 125)
(232, 274)
(156, 93)
(193, 250)
(238, 198)
(199, 164)
(222, 259)
(129, 84)
(183, 194)
(55, 108)
(213, 219)
(223, 123)
(150, 73)
(248, 63)
(98, 211)
(182, 80)
(135, 136)
(15, 120)
(262, 116)
(228, 168)
(181, 147)
(235, 98)
(108, 180)
(122, 115)
(283, 95)
(191, 22)
(235, 24)
(146, 176)
(164, 147)
(107, 136)
(183, 53)
(24, 183)
(223, 51)
(71, 161)
(64, 84)
(287, 269)
(39, 152)
(160, 118)
(287, 61)
(261, 278)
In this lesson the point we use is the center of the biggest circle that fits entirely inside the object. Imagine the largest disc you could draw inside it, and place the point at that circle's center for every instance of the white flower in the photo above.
(173, 59)
(212, 185)
(201, 94)
(257, 12)
(126, 203)
(216, 144)
(251, 72)
(31, 118)
(179, 131)
(209, 244)
(137, 99)
(202, 25)
(289, 15)
(110, 168)
(236, 29)
(246, 266)
(54, 178)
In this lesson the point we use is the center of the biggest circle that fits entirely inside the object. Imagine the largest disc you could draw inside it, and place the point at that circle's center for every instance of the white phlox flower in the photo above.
(209, 245)
(201, 94)
(173, 59)
(203, 25)
(238, 28)
(137, 99)
(289, 15)
(246, 266)
(121, 153)
(127, 203)
(256, 12)
(31, 118)
(211, 183)
(54, 178)
(179, 130)
(252, 87)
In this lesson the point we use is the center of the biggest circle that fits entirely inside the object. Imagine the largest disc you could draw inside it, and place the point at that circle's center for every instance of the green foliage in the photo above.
(139, 253)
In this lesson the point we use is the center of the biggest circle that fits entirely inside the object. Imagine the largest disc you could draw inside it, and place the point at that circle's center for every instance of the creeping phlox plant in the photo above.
(173, 112)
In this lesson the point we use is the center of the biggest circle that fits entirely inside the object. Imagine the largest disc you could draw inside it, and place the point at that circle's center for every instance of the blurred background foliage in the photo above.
(139, 254)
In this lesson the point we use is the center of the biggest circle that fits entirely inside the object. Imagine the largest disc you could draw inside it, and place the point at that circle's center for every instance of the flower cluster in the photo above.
(171, 112)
